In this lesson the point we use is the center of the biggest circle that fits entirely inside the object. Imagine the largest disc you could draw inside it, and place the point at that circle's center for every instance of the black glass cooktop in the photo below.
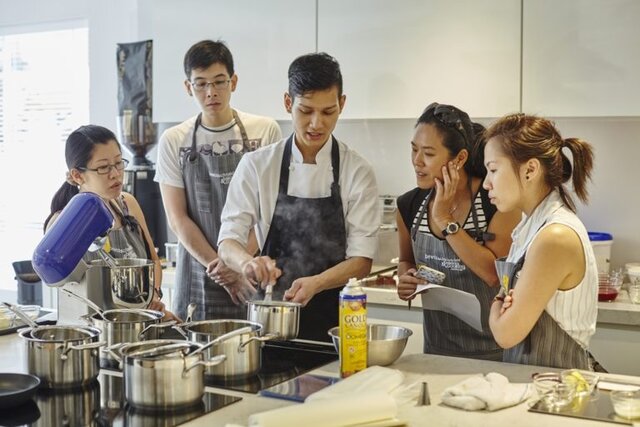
(102, 404)
(281, 361)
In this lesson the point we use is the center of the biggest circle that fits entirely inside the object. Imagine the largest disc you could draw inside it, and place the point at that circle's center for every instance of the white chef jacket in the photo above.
(253, 193)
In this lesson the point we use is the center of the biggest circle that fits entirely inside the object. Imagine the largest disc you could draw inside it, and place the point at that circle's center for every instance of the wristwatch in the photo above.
(451, 228)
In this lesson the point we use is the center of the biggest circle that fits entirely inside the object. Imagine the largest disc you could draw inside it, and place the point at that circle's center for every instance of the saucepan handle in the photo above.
(267, 337)
(206, 363)
(81, 347)
(157, 325)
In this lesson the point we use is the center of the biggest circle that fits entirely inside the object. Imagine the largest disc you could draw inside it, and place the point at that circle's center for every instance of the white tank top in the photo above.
(576, 309)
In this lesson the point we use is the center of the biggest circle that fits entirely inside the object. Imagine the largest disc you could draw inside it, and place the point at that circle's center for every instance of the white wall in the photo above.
(615, 199)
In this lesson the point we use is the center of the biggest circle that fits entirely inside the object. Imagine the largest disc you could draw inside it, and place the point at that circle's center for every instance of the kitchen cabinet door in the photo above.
(581, 57)
(263, 36)
(399, 56)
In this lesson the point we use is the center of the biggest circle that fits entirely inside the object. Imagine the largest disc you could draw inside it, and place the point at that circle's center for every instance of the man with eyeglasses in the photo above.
(313, 202)
(196, 160)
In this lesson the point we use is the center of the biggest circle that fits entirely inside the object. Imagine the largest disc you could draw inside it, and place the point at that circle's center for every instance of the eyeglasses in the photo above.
(106, 169)
(202, 85)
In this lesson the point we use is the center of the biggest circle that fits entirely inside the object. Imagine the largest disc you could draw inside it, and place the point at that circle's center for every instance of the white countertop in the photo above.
(439, 371)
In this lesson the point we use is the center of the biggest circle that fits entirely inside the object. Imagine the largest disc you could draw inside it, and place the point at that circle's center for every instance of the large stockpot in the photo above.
(163, 373)
(62, 356)
(281, 318)
(243, 350)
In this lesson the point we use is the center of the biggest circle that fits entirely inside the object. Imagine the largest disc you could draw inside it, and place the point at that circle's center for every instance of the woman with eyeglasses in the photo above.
(448, 224)
(546, 313)
(95, 164)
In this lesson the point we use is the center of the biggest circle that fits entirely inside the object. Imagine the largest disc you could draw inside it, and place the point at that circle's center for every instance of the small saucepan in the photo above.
(281, 318)
(243, 350)
(163, 373)
(123, 325)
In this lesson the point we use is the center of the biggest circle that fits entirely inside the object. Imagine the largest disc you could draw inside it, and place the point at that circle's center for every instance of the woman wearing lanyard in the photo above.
(95, 163)
(447, 223)
(546, 312)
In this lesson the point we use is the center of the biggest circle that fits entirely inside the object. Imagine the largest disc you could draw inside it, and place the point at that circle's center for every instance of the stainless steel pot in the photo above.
(136, 417)
(243, 351)
(164, 373)
(281, 318)
(122, 325)
(131, 282)
(62, 356)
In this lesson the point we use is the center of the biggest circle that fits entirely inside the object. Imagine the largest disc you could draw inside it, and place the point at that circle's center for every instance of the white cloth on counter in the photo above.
(331, 412)
(491, 392)
(369, 396)
(253, 192)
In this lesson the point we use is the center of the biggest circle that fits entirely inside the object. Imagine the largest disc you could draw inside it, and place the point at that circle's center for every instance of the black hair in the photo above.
(458, 133)
(314, 71)
(77, 152)
(205, 53)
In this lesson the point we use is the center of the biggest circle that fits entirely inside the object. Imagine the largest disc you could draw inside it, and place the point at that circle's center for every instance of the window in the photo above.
(44, 95)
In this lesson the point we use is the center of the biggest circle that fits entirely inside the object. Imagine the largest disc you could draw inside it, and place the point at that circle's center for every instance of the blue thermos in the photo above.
(58, 257)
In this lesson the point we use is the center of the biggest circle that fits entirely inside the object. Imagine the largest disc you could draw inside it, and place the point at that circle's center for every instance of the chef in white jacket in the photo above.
(313, 202)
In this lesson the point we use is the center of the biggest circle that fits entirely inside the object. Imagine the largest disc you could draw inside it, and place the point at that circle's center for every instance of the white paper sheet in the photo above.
(463, 305)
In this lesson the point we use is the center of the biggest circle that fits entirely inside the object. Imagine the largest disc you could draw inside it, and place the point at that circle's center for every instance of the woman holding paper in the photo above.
(448, 224)
(549, 317)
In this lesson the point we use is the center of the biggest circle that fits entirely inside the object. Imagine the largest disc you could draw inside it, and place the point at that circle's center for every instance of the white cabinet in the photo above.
(399, 56)
(263, 36)
(581, 57)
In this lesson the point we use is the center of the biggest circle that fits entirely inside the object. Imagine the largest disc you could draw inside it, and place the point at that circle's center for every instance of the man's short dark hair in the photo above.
(314, 71)
(205, 53)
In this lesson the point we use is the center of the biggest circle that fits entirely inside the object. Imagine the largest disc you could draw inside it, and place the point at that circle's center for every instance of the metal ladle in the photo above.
(92, 305)
(21, 314)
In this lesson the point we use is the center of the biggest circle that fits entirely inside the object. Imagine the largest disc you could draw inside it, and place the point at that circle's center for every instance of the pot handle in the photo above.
(180, 330)
(207, 363)
(80, 347)
(157, 325)
(267, 337)
(223, 338)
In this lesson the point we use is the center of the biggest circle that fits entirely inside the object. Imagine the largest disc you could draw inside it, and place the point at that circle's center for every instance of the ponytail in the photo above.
(62, 197)
(582, 154)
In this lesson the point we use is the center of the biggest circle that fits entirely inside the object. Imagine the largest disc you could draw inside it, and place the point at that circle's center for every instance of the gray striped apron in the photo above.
(206, 179)
(444, 333)
(547, 344)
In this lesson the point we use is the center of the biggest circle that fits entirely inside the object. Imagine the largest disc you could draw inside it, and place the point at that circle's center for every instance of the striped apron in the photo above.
(444, 333)
(547, 344)
(206, 179)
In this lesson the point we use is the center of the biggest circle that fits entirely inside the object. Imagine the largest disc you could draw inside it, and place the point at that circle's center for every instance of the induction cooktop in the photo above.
(102, 403)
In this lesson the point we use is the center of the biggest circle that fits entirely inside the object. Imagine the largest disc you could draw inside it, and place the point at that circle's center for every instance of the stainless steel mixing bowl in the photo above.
(385, 343)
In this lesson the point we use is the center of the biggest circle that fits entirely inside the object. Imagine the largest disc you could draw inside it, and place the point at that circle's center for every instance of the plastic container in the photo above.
(29, 283)
(353, 329)
(601, 243)
(85, 218)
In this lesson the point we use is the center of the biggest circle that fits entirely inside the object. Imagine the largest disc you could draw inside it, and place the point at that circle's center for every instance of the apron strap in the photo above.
(243, 133)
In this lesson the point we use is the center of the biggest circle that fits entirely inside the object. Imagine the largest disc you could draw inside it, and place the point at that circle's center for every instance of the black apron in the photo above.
(307, 237)
(206, 180)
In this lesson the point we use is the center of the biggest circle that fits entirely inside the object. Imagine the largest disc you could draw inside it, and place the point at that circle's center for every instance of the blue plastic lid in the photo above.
(595, 236)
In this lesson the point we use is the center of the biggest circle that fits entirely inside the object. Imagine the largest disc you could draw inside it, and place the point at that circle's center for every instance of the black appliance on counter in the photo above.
(138, 133)
(102, 403)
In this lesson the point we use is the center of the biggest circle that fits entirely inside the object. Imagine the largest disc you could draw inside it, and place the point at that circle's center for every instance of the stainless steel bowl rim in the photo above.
(150, 315)
(124, 263)
(275, 304)
(90, 332)
(256, 327)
